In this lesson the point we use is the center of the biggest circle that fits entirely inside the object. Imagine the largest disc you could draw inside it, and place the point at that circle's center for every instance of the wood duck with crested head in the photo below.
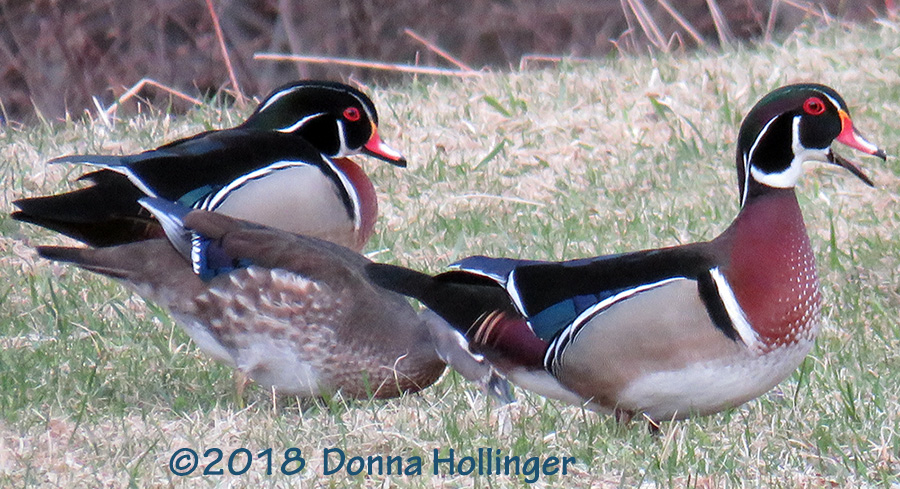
(286, 166)
(673, 332)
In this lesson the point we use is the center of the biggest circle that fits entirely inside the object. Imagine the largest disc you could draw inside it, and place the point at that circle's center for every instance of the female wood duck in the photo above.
(672, 332)
(294, 313)
(285, 166)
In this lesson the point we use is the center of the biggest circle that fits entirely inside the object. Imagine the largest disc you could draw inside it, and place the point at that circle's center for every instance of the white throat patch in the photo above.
(789, 177)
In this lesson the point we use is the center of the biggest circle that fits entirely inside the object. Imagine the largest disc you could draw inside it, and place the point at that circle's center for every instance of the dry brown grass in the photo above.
(57, 56)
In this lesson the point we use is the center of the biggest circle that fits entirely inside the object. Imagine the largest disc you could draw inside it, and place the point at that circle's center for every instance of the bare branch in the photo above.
(375, 65)
(239, 95)
(440, 52)
(721, 23)
(131, 92)
(682, 22)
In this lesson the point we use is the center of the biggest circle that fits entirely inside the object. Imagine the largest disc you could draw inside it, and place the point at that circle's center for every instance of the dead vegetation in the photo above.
(55, 57)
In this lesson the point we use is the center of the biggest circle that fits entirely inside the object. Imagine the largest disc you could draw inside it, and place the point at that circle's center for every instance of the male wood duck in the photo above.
(294, 313)
(671, 332)
(284, 166)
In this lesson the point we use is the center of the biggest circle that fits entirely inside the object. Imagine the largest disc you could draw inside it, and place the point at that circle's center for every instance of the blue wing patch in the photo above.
(208, 257)
(192, 198)
(547, 323)
(210, 260)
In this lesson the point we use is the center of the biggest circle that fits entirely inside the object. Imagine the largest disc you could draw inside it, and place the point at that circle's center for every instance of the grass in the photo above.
(98, 389)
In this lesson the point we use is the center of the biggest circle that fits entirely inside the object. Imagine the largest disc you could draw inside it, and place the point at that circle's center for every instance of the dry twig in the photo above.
(770, 23)
(526, 59)
(440, 52)
(627, 37)
(648, 25)
(375, 65)
(131, 92)
(680, 20)
(239, 95)
(721, 23)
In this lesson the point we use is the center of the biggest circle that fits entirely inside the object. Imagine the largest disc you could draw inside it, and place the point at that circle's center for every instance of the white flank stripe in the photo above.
(293, 127)
(351, 189)
(576, 326)
(211, 204)
(735, 313)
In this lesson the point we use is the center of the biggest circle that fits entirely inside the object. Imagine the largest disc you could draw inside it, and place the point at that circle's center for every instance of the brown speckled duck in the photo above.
(294, 313)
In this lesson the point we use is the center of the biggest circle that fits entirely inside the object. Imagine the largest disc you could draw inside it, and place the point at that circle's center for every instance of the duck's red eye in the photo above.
(814, 106)
(351, 114)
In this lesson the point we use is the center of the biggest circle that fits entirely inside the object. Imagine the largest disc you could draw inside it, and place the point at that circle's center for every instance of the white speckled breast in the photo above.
(773, 271)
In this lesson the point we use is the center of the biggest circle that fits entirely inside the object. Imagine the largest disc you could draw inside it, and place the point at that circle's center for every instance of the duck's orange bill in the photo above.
(376, 147)
(849, 136)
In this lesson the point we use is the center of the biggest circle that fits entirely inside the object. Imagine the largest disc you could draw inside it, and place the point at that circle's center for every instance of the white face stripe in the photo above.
(789, 177)
(762, 133)
(274, 98)
(368, 112)
(748, 157)
(277, 96)
(362, 104)
(733, 308)
(557, 347)
(832, 100)
(293, 127)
